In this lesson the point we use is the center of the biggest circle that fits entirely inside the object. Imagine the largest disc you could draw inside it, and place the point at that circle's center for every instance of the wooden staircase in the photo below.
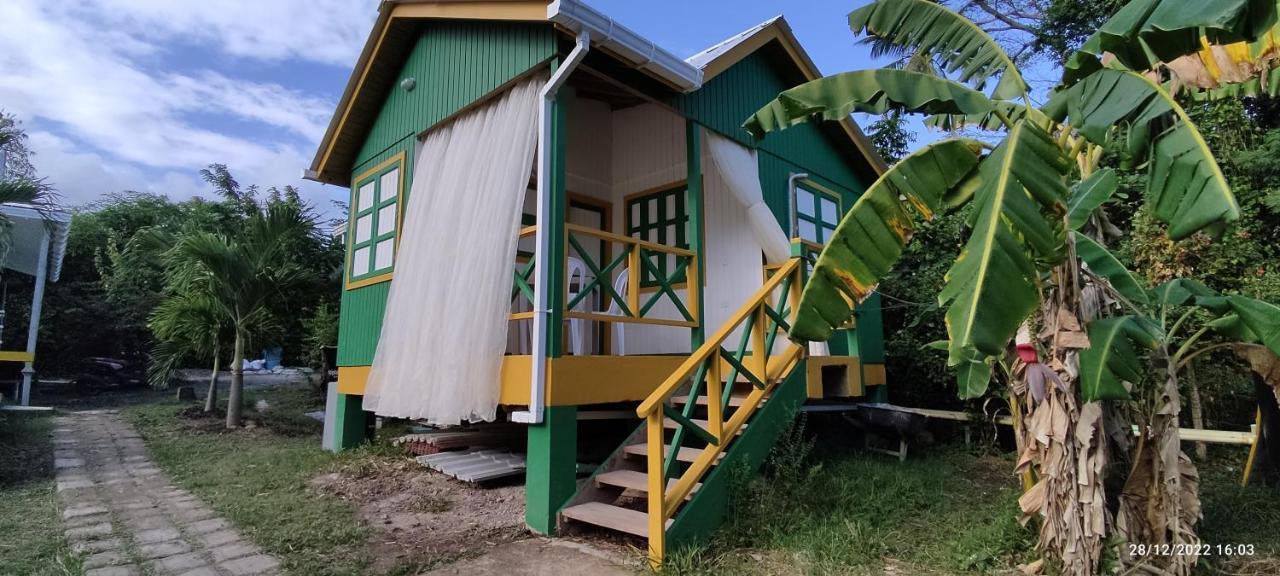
(721, 409)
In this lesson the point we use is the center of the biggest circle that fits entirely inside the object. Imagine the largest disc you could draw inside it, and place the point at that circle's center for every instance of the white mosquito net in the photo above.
(439, 356)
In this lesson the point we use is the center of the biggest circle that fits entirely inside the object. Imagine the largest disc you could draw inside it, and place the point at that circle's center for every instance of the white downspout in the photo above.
(538, 378)
(791, 190)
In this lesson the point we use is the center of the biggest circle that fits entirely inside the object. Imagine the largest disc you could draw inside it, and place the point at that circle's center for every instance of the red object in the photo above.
(1027, 353)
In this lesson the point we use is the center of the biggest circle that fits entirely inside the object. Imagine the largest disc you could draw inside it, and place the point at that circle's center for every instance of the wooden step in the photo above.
(611, 517)
(670, 424)
(686, 454)
(632, 480)
(735, 400)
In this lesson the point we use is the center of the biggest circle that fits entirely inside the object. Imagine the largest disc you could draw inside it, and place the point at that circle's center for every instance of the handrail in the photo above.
(636, 257)
(761, 320)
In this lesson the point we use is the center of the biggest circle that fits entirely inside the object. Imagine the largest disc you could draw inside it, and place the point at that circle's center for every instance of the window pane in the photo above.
(364, 228)
(652, 204)
(804, 201)
(829, 211)
(389, 186)
(360, 262)
(808, 231)
(384, 255)
(365, 197)
(827, 232)
(671, 206)
(635, 216)
(387, 219)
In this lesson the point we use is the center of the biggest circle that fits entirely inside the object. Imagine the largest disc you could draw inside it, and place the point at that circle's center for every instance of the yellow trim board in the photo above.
(519, 10)
(571, 380)
(850, 388)
(874, 375)
(17, 357)
(352, 379)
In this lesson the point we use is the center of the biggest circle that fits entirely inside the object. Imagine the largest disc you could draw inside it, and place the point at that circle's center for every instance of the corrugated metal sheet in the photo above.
(455, 63)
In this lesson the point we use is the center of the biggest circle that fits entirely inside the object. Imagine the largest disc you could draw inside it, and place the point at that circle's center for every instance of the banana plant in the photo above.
(1027, 262)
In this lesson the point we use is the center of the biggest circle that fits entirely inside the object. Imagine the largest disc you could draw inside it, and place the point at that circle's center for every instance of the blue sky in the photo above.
(141, 94)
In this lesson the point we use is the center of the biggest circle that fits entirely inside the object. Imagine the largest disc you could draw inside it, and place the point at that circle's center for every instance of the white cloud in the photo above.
(84, 77)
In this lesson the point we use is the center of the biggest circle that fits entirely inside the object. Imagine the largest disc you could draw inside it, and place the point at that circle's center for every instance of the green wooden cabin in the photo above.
(630, 183)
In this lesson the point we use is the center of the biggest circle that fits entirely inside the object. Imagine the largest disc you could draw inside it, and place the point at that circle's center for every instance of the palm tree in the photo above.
(241, 278)
(18, 189)
(1034, 266)
(187, 324)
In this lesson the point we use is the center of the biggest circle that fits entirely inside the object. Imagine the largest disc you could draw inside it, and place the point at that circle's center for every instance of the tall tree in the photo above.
(17, 179)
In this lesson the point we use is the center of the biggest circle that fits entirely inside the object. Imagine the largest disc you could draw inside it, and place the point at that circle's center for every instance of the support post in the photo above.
(552, 467)
(697, 207)
(33, 330)
(552, 470)
(350, 423)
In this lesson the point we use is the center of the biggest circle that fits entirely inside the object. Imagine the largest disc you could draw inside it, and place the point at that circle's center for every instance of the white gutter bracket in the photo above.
(541, 307)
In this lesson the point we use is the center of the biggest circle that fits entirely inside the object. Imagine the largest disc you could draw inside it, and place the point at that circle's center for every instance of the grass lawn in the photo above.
(943, 511)
(31, 541)
(258, 477)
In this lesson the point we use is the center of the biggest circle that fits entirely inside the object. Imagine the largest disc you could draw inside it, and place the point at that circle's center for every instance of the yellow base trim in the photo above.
(850, 387)
(874, 375)
(571, 380)
(17, 357)
(352, 379)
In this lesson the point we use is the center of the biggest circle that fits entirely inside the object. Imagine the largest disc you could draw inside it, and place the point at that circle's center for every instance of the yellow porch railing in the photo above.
(664, 268)
(761, 320)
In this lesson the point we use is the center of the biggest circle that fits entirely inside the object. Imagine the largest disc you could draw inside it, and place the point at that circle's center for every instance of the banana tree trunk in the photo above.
(234, 397)
(211, 398)
(1160, 504)
(1063, 442)
(1197, 409)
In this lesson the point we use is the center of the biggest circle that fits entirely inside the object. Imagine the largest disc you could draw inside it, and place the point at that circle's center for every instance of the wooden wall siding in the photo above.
(649, 152)
(360, 322)
(454, 64)
(589, 167)
(725, 102)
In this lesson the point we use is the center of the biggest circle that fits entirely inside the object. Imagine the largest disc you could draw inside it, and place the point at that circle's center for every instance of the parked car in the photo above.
(100, 372)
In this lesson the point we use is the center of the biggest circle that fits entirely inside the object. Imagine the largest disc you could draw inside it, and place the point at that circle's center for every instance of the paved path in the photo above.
(124, 517)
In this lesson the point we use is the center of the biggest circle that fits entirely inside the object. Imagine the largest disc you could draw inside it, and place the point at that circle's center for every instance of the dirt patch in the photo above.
(422, 516)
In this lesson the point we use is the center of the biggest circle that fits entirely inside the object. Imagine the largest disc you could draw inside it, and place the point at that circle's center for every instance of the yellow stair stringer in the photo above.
(764, 320)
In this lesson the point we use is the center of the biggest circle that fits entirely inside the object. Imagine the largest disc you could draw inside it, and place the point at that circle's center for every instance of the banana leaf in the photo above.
(1088, 195)
(1185, 186)
(870, 239)
(1262, 319)
(1017, 227)
(1146, 33)
(871, 91)
(989, 121)
(1178, 292)
(1104, 264)
(1112, 358)
(927, 27)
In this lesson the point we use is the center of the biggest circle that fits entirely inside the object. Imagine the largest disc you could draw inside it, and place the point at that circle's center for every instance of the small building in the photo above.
(39, 240)
(553, 218)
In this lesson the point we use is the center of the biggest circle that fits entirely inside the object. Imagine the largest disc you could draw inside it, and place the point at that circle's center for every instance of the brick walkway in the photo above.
(124, 517)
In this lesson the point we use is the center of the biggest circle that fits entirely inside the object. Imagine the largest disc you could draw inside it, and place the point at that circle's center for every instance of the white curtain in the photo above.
(740, 169)
(439, 356)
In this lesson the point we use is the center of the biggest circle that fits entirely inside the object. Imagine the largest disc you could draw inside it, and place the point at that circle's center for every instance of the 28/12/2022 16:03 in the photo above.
(1191, 550)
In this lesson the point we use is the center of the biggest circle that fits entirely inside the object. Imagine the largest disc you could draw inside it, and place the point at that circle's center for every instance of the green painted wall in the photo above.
(454, 64)
(727, 100)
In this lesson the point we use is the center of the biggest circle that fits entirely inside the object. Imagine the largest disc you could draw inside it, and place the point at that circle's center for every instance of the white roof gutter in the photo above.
(619, 40)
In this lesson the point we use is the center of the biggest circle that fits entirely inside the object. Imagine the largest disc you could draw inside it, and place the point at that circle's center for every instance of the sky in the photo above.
(141, 94)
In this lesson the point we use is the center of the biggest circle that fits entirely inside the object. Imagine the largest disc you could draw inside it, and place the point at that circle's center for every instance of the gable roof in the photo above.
(395, 32)
(30, 224)
(722, 56)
